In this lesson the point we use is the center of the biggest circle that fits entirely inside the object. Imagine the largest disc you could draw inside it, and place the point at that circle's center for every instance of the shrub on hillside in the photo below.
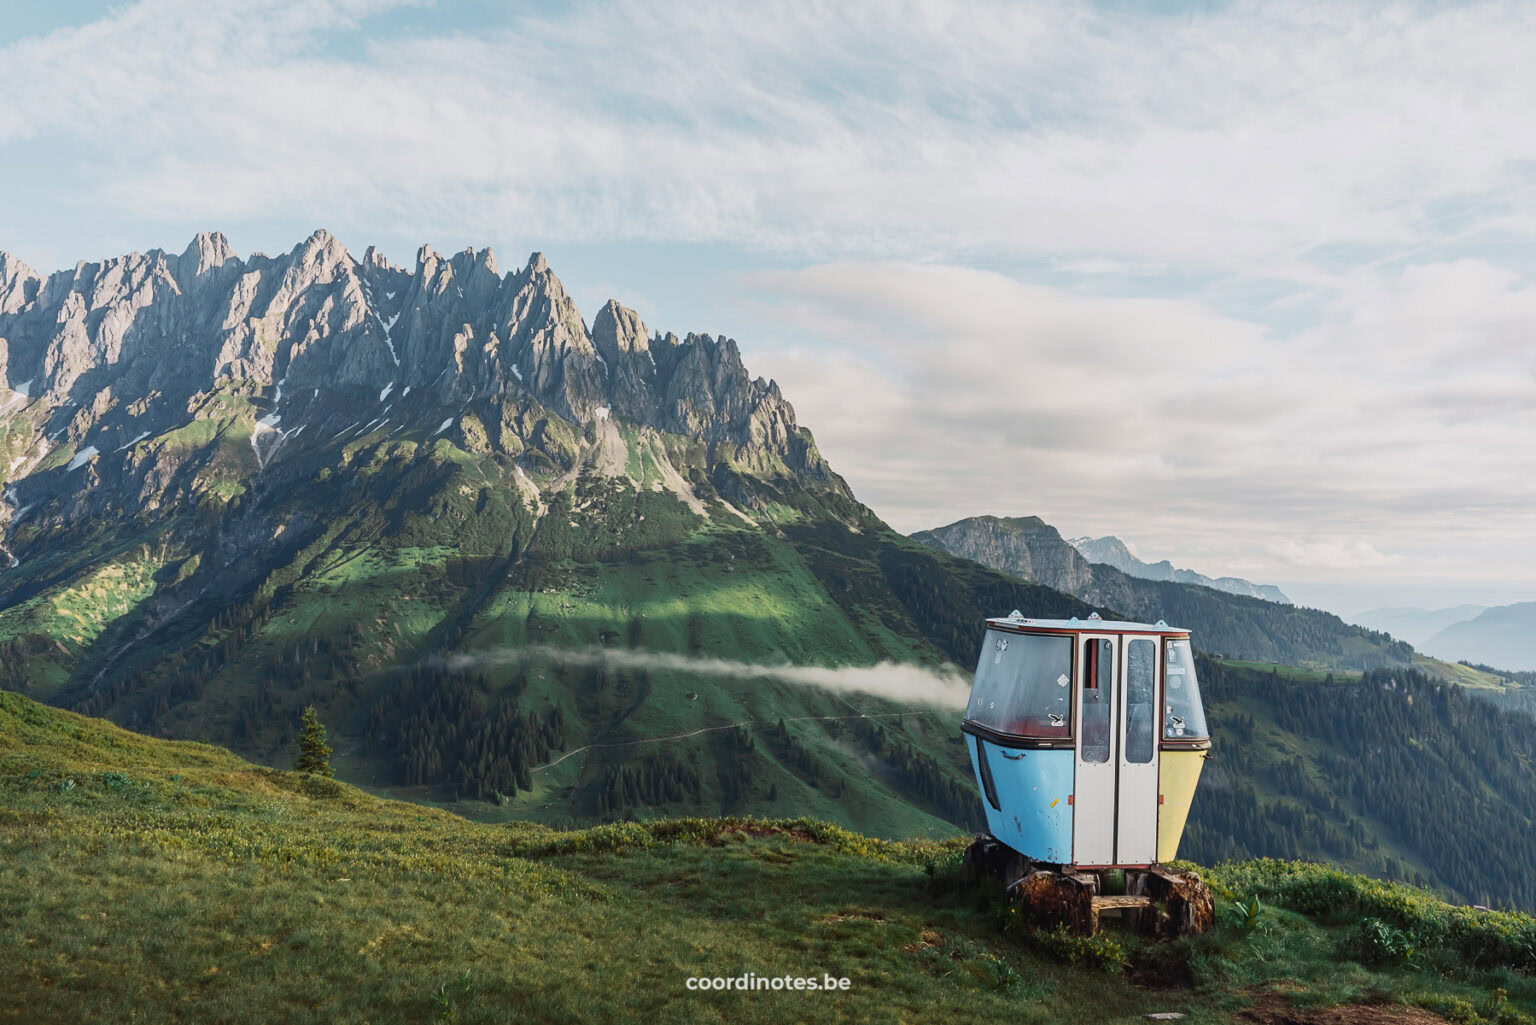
(1482, 938)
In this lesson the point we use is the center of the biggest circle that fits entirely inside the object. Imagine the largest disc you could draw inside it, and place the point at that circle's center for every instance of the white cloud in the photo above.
(1391, 436)
(1331, 555)
(1234, 141)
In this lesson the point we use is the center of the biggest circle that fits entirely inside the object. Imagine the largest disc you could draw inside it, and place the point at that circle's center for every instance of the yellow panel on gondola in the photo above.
(1178, 774)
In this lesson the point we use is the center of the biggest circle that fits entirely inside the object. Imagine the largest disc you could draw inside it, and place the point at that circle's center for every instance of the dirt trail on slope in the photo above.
(1277, 1009)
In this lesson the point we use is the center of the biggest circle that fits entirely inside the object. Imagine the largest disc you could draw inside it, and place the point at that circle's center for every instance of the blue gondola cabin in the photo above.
(1087, 738)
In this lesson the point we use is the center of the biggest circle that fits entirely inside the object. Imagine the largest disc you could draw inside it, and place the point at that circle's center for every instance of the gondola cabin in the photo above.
(1087, 738)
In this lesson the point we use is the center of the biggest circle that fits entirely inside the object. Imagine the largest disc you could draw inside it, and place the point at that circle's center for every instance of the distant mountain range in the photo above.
(1414, 625)
(1503, 636)
(1233, 624)
(1111, 551)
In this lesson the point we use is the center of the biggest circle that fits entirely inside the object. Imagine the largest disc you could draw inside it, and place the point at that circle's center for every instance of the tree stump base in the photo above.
(1048, 899)
(1186, 903)
(1158, 902)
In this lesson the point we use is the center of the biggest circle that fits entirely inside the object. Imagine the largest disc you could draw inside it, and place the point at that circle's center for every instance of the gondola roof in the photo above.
(1091, 624)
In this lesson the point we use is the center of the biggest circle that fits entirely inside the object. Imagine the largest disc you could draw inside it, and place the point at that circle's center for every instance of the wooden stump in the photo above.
(1188, 908)
(1048, 899)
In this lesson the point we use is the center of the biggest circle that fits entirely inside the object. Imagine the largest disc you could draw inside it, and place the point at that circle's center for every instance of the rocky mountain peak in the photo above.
(484, 258)
(317, 345)
(373, 260)
(618, 330)
(1103, 549)
(18, 283)
(620, 339)
(322, 249)
(205, 252)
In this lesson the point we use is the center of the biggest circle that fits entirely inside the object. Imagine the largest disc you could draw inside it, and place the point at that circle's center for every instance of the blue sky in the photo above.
(1247, 284)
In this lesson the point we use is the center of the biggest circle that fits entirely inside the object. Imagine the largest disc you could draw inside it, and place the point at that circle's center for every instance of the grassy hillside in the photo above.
(148, 880)
(1459, 673)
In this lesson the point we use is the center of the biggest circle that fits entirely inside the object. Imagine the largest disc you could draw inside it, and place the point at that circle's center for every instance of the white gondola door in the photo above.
(1136, 811)
(1093, 815)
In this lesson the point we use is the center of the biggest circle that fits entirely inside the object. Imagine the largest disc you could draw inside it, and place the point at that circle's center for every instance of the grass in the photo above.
(81, 609)
(1440, 935)
(162, 881)
(1450, 672)
(1462, 675)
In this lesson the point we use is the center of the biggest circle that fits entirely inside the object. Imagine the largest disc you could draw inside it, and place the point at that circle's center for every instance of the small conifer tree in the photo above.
(314, 752)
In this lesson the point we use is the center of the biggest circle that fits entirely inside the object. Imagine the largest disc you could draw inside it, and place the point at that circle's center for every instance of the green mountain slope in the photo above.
(1397, 774)
(159, 881)
(1235, 625)
(424, 548)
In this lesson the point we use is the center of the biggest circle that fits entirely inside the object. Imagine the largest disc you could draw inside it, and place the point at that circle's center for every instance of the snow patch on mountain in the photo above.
(84, 456)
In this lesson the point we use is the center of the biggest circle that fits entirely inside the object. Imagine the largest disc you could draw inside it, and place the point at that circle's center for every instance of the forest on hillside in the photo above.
(1400, 775)
(1252, 628)
(1235, 625)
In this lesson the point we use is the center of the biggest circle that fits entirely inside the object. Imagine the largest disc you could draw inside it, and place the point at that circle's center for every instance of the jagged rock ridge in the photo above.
(1111, 551)
(316, 345)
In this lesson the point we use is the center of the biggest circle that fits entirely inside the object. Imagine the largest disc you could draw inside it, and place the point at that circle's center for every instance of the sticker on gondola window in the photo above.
(1062, 681)
(1002, 646)
(1057, 720)
(1175, 670)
